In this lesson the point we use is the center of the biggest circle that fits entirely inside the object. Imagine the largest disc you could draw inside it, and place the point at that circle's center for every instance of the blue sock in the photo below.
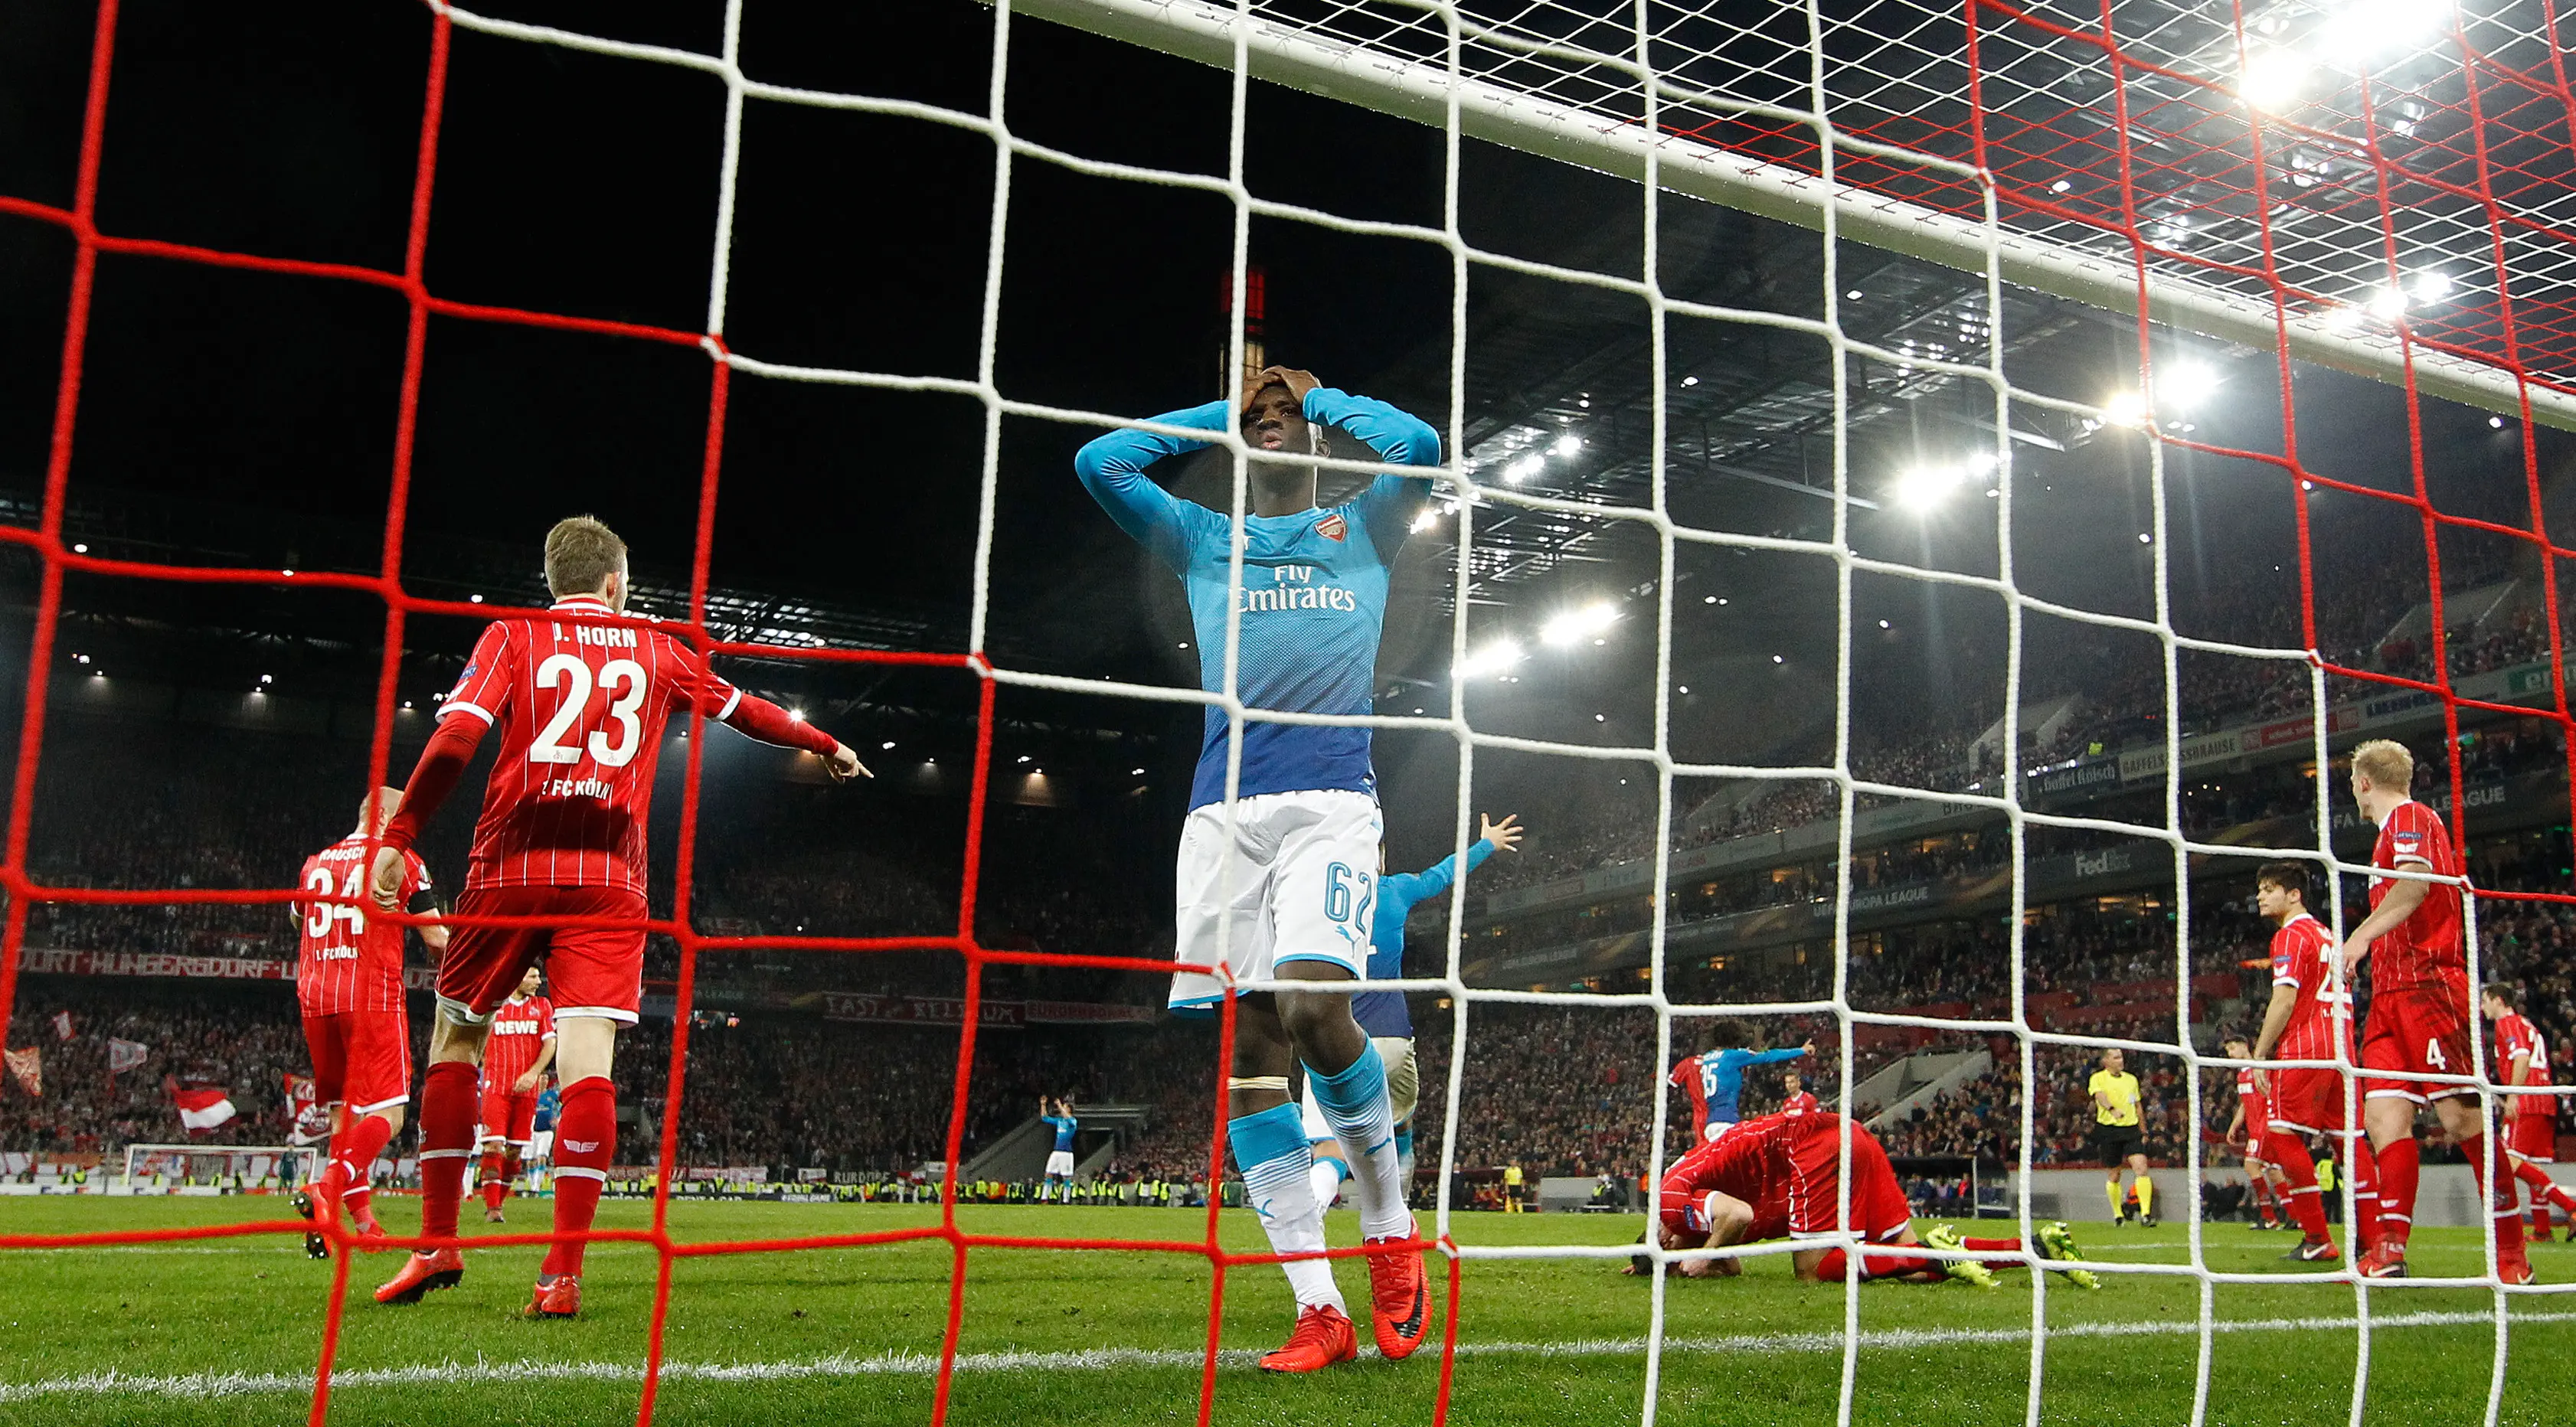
(1270, 1149)
(1355, 1104)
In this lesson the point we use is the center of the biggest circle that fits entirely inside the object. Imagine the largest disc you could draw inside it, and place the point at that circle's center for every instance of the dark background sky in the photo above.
(249, 418)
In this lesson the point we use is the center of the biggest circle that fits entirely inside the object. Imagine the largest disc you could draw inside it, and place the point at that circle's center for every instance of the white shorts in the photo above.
(1403, 1087)
(1296, 882)
(1713, 1129)
(1059, 1164)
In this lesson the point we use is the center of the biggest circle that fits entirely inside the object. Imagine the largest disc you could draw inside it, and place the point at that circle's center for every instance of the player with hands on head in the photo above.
(1385, 1015)
(349, 989)
(1277, 866)
(2415, 943)
(579, 697)
(1059, 1117)
(2531, 1121)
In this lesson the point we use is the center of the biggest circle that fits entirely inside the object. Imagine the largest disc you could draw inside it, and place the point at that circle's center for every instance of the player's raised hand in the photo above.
(1504, 835)
(1810, 1046)
(844, 764)
(385, 878)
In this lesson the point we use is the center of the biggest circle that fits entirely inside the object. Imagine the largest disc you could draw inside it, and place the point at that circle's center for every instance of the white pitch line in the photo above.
(908, 1364)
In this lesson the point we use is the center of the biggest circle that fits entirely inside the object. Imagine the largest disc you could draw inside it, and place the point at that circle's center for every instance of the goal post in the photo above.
(216, 1169)
(1411, 88)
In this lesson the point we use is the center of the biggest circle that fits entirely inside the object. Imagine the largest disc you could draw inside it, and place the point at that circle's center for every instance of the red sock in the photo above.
(359, 1202)
(487, 1169)
(2501, 1200)
(2361, 1164)
(446, 1143)
(1875, 1263)
(509, 1173)
(2260, 1190)
(353, 1154)
(585, 1143)
(2305, 1204)
(2401, 1168)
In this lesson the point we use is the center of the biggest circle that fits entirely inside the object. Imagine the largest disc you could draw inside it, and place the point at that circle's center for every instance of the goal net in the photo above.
(2380, 190)
(214, 1169)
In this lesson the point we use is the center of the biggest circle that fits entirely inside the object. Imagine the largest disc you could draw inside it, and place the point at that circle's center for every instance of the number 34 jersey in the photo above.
(580, 707)
(347, 959)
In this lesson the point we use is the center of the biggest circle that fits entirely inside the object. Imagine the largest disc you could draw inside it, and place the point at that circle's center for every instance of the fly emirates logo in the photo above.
(1294, 587)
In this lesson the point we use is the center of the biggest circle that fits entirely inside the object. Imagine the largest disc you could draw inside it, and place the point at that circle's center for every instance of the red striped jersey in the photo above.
(347, 959)
(2322, 1015)
(580, 707)
(1751, 1162)
(1798, 1104)
(2258, 1108)
(520, 1030)
(2425, 950)
(2517, 1036)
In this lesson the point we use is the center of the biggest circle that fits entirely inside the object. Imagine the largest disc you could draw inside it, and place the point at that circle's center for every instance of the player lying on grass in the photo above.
(515, 1058)
(1384, 1015)
(580, 698)
(349, 989)
(1278, 858)
(1781, 1177)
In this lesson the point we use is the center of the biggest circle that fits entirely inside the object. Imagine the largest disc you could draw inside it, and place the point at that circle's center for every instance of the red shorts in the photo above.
(361, 1059)
(2534, 1137)
(509, 1117)
(590, 970)
(2309, 1099)
(1879, 1209)
(2413, 1032)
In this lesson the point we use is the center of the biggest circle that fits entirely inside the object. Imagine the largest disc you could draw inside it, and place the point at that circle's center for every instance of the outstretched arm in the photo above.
(1766, 1057)
(1112, 468)
(756, 717)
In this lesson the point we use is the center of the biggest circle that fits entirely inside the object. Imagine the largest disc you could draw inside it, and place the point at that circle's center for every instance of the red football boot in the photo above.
(2385, 1260)
(422, 1273)
(1399, 1297)
(556, 1297)
(1324, 1337)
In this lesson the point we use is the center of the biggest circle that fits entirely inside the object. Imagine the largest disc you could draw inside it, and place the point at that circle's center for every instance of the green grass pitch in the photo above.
(225, 1331)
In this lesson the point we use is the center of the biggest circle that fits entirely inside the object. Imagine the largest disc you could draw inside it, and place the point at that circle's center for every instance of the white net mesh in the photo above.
(1864, 125)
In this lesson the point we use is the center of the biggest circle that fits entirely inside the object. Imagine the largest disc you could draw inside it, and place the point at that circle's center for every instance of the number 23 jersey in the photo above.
(580, 708)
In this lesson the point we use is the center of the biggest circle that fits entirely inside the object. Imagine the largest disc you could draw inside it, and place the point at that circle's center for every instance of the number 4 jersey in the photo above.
(347, 960)
(580, 708)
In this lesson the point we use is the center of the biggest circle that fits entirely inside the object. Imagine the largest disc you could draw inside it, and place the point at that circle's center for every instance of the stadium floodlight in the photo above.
(1498, 657)
(2273, 80)
(1424, 519)
(1922, 487)
(795, 715)
(2125, 408)
(1524, 468)
(2181, 386)
(2388, 303)
(1568, 444)
(1581, 623)
(2432, 285)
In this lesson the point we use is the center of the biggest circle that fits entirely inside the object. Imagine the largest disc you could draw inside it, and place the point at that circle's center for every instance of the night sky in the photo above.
(574, 183)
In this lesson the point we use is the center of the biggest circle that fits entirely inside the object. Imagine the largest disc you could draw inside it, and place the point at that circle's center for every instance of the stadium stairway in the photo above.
(1916, 1080)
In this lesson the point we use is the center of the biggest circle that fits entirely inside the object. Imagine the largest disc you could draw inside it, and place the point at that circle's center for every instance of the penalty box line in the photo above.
(912, 1364)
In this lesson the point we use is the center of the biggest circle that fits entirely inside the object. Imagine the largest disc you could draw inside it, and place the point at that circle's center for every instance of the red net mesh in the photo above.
(2494, 158)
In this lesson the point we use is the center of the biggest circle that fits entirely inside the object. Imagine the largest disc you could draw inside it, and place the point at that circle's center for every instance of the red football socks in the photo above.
(487, 1179)
(446, 1143)
(585, 1143)
(509, 1170)
(1875, 1263)
(1997, 1246)
(2400, 1170)
(2361, 1166)
(2500, 1198)
(353, 1154)
(2306, 1205)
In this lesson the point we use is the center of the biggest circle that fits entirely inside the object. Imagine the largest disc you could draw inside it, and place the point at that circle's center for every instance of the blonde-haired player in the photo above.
(2419, 1024)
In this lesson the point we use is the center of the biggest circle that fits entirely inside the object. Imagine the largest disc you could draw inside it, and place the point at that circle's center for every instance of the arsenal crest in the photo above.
(1332, 527)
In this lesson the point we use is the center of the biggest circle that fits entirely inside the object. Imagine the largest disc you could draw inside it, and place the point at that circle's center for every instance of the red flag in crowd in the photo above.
(203, 1108)
(28, 1066)
(123, 1055)
(310, 1120)
(62, 1025)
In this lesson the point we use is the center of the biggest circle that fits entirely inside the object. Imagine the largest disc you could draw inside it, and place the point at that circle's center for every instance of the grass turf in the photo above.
(226, 1331)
